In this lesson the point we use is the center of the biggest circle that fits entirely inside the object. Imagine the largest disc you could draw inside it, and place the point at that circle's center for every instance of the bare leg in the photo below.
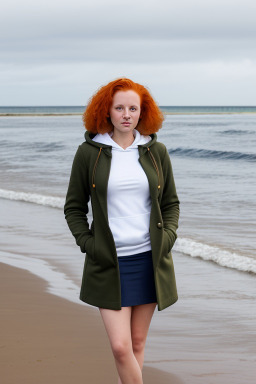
(140, 321)
(118, 327)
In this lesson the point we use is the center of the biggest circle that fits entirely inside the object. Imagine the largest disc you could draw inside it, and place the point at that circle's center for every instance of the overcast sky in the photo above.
(187, 52)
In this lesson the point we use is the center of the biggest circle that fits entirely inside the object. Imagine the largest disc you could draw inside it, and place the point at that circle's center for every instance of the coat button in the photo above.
(159, 225)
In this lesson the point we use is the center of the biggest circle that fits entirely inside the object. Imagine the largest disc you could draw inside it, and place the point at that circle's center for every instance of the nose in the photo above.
(126, 113)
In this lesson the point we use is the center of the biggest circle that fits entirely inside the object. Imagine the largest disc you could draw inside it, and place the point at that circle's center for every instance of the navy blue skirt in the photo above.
(137, 279)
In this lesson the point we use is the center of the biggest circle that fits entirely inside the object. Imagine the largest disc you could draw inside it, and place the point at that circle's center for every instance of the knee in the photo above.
(121, 350)
(138, 344)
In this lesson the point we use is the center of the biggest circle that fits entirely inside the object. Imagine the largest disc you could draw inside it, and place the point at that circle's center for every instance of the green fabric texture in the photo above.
(89, 179)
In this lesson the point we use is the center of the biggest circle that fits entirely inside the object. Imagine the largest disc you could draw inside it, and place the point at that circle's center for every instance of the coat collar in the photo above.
(108, 148)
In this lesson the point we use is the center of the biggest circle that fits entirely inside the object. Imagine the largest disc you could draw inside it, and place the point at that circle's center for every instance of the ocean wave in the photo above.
(37, 146)
(236, 132)
(187, 246)
(58, 283)
(219, 256)
(50, 201)
(212, 154)
(197, 124)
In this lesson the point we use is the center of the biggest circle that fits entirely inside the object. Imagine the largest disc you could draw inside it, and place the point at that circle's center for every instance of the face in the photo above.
(125, 111)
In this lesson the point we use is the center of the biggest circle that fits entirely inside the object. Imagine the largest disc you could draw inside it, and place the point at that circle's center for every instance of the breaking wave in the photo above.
(49, 201)
(219, 256)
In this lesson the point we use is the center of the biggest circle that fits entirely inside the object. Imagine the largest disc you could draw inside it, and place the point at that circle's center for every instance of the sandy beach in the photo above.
(45, 339)
(207, 337)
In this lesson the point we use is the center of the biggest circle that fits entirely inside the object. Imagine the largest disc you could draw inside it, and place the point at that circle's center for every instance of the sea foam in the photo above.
(187, 246)
(212, 253)
(50, 201)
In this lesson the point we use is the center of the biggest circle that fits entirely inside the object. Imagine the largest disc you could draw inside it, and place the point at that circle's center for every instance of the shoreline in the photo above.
(208, 336)
(199, 340)
(165, 113)
(48, 339)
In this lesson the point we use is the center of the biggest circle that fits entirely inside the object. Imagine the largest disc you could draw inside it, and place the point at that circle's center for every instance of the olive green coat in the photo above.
(89, 179)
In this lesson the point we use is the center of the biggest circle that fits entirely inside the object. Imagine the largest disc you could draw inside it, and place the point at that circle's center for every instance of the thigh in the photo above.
(118, 325)
(140, 321)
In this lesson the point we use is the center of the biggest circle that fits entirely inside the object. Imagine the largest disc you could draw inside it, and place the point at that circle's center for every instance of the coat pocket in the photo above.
(167, 240)
(89, 247)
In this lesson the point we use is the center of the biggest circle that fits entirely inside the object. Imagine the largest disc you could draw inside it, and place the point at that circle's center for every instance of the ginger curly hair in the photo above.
(96, 116)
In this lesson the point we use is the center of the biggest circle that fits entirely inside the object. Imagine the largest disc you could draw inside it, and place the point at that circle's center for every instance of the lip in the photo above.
(126, 123)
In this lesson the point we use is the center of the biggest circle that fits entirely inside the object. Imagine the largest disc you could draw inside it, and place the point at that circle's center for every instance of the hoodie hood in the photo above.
(106, 138)
(105, 141)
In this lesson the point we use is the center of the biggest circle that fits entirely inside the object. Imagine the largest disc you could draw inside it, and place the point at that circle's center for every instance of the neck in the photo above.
(123, 139)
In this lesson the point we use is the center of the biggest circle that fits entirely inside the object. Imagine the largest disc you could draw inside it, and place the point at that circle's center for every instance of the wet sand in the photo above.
(45, 339)
(207, 337)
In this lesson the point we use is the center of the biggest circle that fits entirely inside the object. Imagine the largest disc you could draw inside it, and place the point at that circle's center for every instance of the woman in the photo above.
(128, 176)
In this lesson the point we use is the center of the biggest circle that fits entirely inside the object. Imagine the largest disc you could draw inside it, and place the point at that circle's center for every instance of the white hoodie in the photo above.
(128, 196)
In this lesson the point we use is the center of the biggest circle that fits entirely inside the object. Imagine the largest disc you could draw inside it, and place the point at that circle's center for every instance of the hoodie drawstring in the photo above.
(152, 159)
(155, 165)
(94, 168)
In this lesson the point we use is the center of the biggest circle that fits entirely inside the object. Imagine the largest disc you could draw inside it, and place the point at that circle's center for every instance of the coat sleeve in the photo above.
(77, 198)
(170, 203)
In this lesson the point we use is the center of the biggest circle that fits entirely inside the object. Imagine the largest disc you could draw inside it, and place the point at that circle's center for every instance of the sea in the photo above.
(213, 155)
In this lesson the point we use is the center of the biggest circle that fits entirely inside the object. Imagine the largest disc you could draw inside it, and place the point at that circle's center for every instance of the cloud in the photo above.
(209, 83)
(129, 51)
(162, 19)
(61, 51)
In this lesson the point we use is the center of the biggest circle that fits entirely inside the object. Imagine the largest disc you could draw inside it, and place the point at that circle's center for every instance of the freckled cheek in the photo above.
(116, 115)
